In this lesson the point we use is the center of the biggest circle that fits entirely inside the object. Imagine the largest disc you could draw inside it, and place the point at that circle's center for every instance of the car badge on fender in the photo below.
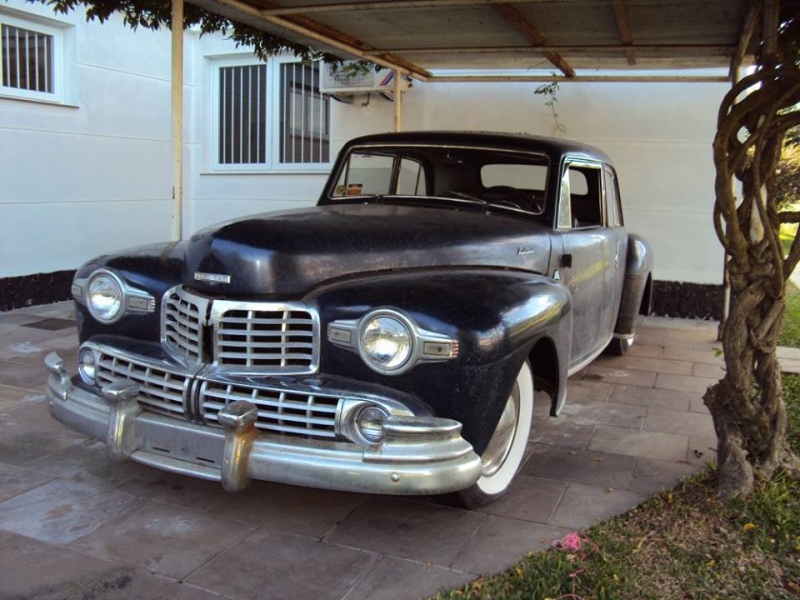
(212, 277)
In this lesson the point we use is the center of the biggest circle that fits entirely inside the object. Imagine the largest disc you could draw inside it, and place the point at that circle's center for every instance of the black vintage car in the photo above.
(388, 340)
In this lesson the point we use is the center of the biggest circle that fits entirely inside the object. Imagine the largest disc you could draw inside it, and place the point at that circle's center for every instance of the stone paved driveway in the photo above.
(74, 525)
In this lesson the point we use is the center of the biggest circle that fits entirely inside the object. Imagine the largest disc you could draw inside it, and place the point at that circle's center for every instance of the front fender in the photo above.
(496, 316)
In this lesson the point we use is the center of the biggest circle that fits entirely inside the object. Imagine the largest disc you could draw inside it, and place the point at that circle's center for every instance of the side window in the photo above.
(585, 195)
(411, 178)
(612, 199)
(564, 212)
(365, 174)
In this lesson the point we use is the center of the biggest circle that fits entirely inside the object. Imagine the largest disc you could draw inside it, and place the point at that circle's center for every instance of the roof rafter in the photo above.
(383, 5)
(517, 20)
(322, 32)
(624, 26)
(748, 29)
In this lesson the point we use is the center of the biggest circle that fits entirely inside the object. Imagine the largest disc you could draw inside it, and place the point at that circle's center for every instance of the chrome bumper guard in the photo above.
(419, 455)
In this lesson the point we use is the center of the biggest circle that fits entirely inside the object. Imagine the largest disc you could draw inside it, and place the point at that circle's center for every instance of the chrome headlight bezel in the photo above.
(131, 300)
(424, 346)
(378, 324)
(116, 289)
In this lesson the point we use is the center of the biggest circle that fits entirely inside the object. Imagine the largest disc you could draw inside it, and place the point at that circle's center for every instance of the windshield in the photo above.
(478, 175)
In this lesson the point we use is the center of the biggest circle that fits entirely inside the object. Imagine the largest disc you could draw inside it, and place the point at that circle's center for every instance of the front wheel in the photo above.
(619, 346)
(503, 456)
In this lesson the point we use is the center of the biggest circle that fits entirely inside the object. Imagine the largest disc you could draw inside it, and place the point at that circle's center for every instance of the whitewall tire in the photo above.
(503, 456)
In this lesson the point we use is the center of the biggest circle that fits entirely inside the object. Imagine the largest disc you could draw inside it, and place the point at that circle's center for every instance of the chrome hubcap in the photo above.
(499, 446)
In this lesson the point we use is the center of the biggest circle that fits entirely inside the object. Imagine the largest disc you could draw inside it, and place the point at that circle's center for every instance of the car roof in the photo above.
(555, 148)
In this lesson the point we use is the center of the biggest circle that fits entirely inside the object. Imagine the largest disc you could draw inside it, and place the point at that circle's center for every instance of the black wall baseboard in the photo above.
(688, 300)
(670, 298)
(31, 290)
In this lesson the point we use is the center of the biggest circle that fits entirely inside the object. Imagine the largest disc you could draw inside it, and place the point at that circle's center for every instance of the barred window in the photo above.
(242, 115)
(304, 115)
(27, 59)
(270, 116)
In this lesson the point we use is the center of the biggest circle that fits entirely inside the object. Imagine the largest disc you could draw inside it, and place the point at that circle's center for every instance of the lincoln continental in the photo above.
(390, 339)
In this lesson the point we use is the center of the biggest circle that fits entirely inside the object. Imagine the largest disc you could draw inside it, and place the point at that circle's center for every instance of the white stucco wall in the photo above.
(95, 176)
(90, 175)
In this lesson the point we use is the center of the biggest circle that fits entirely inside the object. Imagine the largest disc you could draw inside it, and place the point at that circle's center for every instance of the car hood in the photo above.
(290, 253)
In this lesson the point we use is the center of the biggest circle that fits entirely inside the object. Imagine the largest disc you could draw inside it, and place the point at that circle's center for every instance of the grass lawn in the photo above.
(681, 544)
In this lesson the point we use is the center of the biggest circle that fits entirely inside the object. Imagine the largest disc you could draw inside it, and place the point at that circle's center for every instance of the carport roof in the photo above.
(434, 39)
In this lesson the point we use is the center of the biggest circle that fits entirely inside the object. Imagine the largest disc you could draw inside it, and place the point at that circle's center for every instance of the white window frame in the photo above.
(61, 46)
(272, 163)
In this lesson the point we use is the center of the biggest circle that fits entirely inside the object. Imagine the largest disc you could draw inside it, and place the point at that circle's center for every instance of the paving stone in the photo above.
(709, 355)
(12, 336)
(621, 376)
(284, 566)
(178, 490)
(673, 421)
(649, 444)
(697, 405)
(650, 397)
(307, 511)
(32, 570)
(509, 539)
(640, 349)
(169, 540)
(702, 450)
(708, 370)
(609, 413)
(88, 463)
(426, 532)
(16, 480)
(23, 376)
(584, 505)
(22, 444)
(591, 392)
(126, 583)
(588, 467)
(684, 383)
(652, 476)
(33, 353)
(16, 317)
(60, 512)
(398, 579)
(35, 411)
(659, 365)
(561, 431)
(13, 397)
(531, 499)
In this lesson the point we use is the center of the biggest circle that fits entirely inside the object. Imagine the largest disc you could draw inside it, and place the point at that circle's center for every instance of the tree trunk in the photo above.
(746, 405)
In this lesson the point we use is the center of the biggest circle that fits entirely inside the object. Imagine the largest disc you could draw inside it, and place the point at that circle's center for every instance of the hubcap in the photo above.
(499, 446)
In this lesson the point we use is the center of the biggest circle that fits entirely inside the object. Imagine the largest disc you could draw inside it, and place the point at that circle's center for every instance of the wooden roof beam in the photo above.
(321, 32)
(624, 26)
(382, 5)
(746, 35)
(518, 21)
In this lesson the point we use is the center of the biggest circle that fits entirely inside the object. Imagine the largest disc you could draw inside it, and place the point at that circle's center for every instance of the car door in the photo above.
(615, 223)
(587, 264)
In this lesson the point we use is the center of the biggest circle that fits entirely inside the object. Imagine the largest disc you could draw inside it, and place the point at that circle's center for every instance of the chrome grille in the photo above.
(182, 323)
(159, 390)
(276, 340)
(294, 413)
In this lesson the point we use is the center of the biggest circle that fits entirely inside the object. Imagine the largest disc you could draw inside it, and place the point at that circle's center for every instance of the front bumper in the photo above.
(419, 455)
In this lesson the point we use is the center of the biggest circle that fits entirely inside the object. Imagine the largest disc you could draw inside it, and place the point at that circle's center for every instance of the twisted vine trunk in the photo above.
(746, 405)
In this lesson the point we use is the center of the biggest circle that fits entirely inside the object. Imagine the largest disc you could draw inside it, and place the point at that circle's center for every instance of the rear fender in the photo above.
(635, 296)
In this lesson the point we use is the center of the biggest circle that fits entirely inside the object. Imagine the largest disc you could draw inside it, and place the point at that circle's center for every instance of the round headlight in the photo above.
(370, 423)
(86, 366)
(104, 297)
(386, 342)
